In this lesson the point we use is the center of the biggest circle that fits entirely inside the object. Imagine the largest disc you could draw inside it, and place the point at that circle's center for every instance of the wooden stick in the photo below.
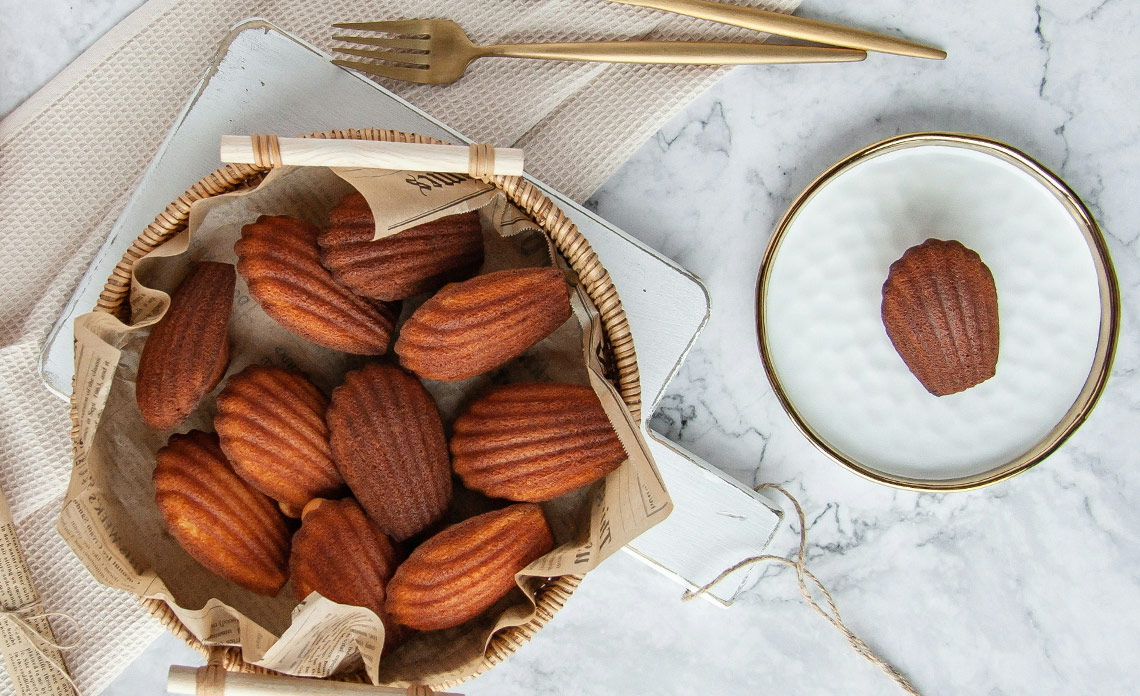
(418, 157)
(184, 681)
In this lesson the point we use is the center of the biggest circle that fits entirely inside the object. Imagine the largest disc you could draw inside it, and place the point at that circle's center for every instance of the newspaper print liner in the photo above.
(105, 516)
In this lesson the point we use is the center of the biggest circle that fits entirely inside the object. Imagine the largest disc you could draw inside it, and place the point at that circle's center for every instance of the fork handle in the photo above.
(790, 26)
(675, 52)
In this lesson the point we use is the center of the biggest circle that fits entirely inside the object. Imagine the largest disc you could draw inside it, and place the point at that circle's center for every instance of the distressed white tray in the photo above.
(265, 81)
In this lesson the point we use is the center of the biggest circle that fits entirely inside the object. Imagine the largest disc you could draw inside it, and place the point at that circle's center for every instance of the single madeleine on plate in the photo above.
(471, 327)
(937, 312)
(940, 309)
(227, 525)
(460, 572)
(417, 260)
(534, 442)
(271, 425)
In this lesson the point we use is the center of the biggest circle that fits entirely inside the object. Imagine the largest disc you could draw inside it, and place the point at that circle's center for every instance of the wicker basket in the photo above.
(619, 358)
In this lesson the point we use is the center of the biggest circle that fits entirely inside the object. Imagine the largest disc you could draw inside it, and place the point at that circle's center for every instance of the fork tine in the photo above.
(390, 71)
(414, 44)
(388, 56)
(392, 26)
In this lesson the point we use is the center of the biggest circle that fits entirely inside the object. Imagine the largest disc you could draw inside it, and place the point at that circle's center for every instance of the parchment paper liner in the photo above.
(109, 517)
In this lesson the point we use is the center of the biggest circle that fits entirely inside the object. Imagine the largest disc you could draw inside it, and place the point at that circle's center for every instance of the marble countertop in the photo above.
(1030, 586)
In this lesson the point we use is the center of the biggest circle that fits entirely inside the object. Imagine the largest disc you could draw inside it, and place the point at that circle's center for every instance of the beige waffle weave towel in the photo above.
(71, 155)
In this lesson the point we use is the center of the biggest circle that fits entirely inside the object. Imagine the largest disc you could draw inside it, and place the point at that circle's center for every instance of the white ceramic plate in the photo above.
(835, 369)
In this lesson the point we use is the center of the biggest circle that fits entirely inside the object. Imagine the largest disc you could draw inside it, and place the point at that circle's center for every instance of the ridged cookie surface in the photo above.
(471, 327)
(534, 442)
(940, 310)
(220, 520)
(420, 259)
(271, 425)
(387, 440)
(280, 261)
(340, 553)
(187, 351)
(460, 572)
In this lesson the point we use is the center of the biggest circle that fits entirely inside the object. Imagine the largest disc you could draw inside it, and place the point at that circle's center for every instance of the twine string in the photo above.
(210, 680)
(803, 576)
(266, 151)
(21, 619)
(480, 160)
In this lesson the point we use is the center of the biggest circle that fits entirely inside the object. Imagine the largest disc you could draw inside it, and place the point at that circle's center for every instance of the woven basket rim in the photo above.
(618, 350)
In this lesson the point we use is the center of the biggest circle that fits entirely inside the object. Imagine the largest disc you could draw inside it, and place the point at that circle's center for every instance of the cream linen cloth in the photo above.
(71, 155)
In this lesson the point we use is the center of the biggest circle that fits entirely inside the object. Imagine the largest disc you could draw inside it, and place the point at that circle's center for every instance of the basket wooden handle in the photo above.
(213, 680)
(270, 151)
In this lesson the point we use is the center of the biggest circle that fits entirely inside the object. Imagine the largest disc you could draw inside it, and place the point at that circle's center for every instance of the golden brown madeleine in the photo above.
(271, 425)
(220, 520)
(280, 261)
(460, 572)
(340, 553)
(187, 351)
(387, 440)
(420, 259)
(471, 327)
(534, 442)
(940, 310)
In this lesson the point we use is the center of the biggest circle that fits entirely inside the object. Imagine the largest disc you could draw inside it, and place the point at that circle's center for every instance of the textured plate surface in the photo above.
(831, 354)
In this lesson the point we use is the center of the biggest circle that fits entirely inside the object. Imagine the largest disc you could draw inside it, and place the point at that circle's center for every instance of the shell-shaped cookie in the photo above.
(417, 260)
(340, 553)
(534, 442)
(387, 440)
(460, 572)
(188, 349)
(271, 425)
(940, 310)
(471, 327)
(280, 261)
(225, 524)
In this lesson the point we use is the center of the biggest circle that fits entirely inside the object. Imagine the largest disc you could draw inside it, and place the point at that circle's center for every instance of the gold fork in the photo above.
(437, 51)
(792, 27)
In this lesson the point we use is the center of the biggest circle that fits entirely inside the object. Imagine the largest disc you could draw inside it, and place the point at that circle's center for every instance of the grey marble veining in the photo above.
(1031, 586)
(38, 39)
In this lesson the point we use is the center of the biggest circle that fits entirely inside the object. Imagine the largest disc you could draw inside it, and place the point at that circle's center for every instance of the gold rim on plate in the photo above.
(1109, 315)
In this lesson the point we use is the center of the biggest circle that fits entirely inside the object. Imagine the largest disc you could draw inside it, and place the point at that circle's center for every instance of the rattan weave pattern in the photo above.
(619, 354)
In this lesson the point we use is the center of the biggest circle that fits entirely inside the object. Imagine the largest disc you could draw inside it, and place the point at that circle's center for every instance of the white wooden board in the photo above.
(265, 81)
